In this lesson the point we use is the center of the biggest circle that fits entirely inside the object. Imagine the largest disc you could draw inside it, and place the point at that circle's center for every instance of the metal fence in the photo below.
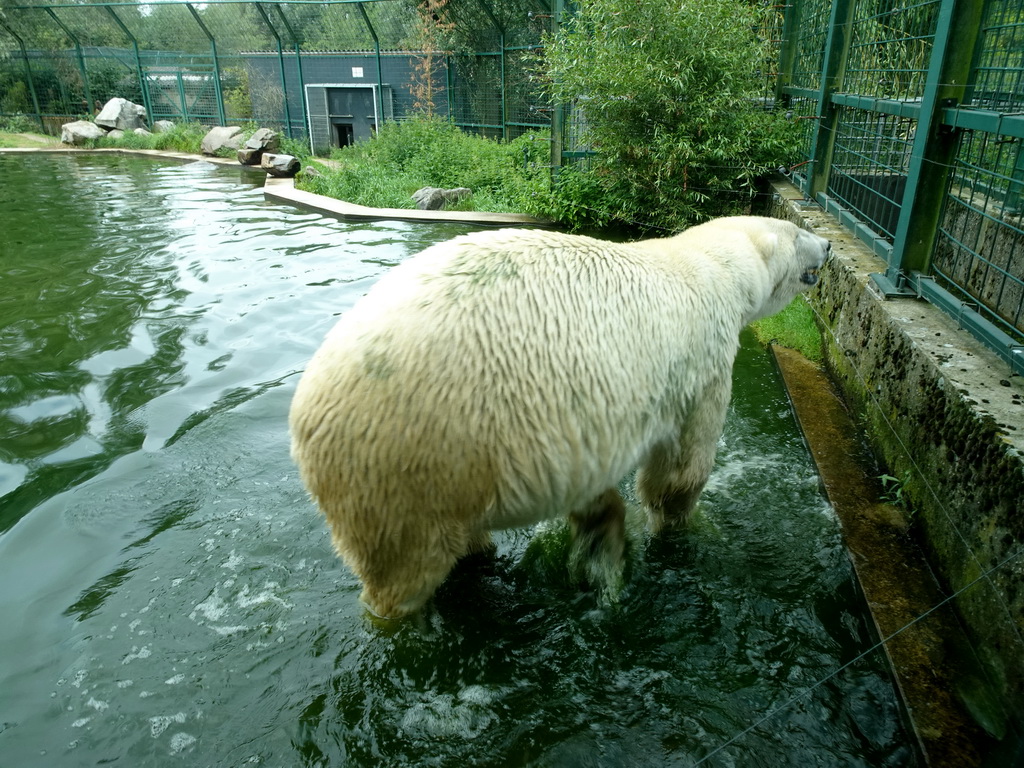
(913, 110)
(914, 117)
(289, 65)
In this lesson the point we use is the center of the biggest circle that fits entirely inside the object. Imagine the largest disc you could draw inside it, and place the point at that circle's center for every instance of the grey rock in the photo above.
(162, 126)
(79, 132)
(435, 198)
(280, 165)
(264, 140)
(121, 114)
(220, 137)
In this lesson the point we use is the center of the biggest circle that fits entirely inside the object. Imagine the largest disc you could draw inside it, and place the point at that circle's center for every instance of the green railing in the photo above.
(915, 124)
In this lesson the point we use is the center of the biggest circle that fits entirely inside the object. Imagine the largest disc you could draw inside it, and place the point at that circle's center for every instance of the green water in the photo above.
(169, 595)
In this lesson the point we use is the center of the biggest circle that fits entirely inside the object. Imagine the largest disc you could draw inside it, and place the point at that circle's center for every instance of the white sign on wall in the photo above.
(357, 71)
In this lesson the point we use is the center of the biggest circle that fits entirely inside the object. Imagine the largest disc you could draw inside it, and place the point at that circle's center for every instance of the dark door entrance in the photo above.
(343, 133)
(352, 115)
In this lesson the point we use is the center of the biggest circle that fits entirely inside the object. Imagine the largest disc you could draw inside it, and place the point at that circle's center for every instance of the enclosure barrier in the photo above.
(914, 116)
(328, 71)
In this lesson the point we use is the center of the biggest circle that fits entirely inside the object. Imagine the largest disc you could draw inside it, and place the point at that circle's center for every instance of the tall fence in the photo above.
(913, 109)
(328, 70)
(914, 117)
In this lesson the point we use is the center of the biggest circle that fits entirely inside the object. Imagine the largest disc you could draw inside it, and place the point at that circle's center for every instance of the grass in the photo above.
(793, 327)
(18, 132)
(506, 177)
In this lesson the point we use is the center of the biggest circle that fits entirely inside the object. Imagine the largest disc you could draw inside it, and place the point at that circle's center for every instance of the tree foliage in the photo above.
(668, 96)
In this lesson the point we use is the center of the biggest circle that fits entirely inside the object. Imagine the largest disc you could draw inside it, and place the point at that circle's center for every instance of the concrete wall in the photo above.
(944, 415)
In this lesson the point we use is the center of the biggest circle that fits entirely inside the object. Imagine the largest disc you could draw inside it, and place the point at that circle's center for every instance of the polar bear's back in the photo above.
(528, 369)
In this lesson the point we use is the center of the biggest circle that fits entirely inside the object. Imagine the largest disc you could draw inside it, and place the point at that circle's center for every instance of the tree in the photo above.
(667, 94)
(428, 71)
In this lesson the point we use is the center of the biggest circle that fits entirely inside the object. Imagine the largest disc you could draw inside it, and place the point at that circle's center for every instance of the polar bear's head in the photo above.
(792, 255)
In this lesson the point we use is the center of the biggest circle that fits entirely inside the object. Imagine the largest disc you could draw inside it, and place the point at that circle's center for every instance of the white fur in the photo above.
(512, 376)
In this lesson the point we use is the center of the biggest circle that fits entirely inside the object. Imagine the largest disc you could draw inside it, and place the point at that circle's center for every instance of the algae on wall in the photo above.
(943, 412)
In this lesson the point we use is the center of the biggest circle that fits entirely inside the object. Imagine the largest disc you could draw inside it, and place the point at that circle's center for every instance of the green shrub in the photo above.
(403, 157)
(669, 100)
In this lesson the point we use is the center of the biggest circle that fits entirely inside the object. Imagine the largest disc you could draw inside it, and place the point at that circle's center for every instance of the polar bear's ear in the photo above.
(766, 243)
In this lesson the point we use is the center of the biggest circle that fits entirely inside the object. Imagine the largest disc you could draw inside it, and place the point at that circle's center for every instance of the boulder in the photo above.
(121, 114)
(279, 165)
(221, 137)
(162, 126)
(264, 140)
(117, 133)
(435, 198)
(141, 132)
(79, 132)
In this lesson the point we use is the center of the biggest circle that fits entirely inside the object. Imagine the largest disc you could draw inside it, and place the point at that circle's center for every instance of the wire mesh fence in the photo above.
(914, 123)
(897, 99)
(237, 60)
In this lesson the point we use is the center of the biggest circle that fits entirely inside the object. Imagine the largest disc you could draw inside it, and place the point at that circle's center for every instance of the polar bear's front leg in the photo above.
(599, 539)
(599, 529)
(671, 480)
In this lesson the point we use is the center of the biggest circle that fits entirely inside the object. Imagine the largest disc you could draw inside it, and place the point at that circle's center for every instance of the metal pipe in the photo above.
(143, 87)
(216, 63)
(81, 58)
(28, 74)
(280, 61)
(380, 71)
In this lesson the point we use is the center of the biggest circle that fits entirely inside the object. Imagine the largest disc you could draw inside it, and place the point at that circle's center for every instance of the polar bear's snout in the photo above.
(810, 277)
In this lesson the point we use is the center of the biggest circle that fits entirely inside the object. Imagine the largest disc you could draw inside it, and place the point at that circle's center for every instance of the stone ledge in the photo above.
(283, 190)
(944, 415)
(157, 154)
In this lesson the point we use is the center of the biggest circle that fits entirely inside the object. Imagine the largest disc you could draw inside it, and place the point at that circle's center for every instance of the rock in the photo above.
(141, 132)
(162, 126)
(264, 140)
(117, 133)
(221, 137)
(79, 132)
(247, 156)
(279, 165)
(121, 114)
(310, 172)
(435, 198)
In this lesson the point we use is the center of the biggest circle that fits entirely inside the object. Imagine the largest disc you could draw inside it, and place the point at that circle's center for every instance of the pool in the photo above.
(169, 594)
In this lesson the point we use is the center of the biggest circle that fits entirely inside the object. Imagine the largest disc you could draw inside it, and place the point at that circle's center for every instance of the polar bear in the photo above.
(512, 376)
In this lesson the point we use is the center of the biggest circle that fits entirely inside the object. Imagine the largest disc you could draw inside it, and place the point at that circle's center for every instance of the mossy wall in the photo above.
(944, 415)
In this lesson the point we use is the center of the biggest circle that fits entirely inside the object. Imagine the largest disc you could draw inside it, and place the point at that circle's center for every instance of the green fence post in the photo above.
(935, 145)
(380, 71)
(138, 63)
(449, 87)
(787, 51)
(837, 47)
(557, 110)
(298, 66)
(280, 62)
(28, 74)
(81, 59)
(216, 63)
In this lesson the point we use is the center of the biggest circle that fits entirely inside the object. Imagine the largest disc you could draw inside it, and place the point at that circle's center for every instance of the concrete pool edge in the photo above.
(283, 190)
(941, 412)
(890, 570)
